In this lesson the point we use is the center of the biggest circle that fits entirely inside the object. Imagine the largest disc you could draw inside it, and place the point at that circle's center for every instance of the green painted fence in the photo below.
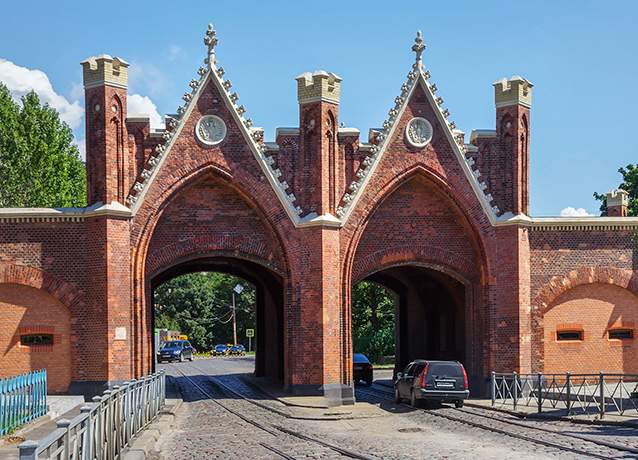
(23, 398)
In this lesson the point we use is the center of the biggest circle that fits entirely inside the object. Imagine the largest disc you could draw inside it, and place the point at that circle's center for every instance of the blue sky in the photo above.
(580, 55)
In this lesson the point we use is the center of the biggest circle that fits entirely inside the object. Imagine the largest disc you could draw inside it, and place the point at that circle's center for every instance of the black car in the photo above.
(435, 381)
(361, 368)
(175, 350)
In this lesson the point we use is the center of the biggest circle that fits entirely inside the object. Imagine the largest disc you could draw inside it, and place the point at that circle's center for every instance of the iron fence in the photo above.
(23, 398)
(105, 426)
(596, 394)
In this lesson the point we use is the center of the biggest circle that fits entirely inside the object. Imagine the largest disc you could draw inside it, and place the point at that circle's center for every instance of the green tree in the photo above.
(199, 305)
(39, 164)
(629, 184)
(373, 320)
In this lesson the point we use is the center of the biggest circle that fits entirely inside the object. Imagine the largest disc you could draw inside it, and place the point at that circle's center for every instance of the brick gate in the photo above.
(413, 206)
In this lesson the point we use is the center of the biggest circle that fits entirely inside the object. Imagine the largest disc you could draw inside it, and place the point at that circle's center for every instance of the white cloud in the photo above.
(147, 78)
(173, 52)
(574, 212)
(21, 80)
(142, 105)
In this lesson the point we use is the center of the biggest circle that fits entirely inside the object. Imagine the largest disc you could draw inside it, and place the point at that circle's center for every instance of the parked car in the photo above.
(175, 350)
(361, 368)
(220, 349)
(435, 381)
(237, 350)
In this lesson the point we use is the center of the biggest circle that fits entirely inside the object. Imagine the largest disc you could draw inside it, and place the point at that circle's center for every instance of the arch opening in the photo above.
(429, 315)
(196, 297)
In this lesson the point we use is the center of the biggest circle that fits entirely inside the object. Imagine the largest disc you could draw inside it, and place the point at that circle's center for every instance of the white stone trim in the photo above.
(286, 132)
(35, 215)
(417, 76)
(213, 74)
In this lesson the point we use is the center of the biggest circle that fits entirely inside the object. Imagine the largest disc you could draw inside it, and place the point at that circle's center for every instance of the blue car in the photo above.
(175, 350)
(220, 349)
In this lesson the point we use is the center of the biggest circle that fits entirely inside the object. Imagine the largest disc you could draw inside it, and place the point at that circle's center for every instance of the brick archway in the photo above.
(558, 286)
(36, 302)
(419, 205)
(65, 292)
(204, 216)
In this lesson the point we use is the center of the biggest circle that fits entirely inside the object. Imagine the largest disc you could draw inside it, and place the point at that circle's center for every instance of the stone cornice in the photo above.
(585, 223)
(34, 215)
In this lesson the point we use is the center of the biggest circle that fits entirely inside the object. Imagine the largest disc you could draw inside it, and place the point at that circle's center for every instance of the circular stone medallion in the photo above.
(418, 132)
(210, 130)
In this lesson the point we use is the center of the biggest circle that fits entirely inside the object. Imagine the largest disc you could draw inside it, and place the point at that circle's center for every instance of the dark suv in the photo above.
(436, 381)
(175, 350)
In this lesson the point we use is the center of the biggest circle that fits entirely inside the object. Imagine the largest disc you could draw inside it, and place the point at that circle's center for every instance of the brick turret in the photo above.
(513, 99)
(617, 203)
(320, 162)
(105, 83)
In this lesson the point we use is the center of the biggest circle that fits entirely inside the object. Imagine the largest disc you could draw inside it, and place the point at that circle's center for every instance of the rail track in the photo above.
(479, 418)
(275, 430)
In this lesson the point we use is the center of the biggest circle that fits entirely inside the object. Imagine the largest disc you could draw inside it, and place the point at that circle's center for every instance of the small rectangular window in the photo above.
(621, 334)
(28, 340)
(569, 335)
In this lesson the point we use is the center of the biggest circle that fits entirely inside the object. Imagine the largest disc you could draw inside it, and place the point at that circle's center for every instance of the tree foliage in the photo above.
(39, 164)
(629, 184)
(373, 320)
(199, 305)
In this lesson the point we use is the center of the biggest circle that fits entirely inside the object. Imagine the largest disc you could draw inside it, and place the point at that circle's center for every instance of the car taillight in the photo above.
(423, 374)
(465, 383)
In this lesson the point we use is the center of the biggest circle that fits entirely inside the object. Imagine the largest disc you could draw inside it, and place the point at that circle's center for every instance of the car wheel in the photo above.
(414, 402)
(397, 396)
(458, 404)
(181, 358)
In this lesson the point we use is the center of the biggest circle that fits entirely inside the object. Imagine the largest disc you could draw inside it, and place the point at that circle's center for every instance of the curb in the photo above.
(144, 443)
(563, 418)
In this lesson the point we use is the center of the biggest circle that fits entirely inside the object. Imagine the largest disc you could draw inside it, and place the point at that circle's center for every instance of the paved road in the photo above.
(205, 429)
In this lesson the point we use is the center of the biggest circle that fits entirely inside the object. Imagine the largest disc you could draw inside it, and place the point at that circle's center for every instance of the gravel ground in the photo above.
(204, 429)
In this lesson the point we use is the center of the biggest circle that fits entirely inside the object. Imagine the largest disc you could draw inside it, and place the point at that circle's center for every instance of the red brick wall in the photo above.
(26, 310)
(209, 217)
(561, 260)
(594, 309)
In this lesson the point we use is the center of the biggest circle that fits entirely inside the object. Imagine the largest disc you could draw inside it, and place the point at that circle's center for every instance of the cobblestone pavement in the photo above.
(204, 429)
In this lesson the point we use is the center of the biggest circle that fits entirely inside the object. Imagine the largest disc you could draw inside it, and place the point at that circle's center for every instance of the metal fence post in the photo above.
(515, 389)
(601, 384)
(493, 388)
(568, 392)
(66, 452)
(88, 434)
(28, 450)
(540, 392)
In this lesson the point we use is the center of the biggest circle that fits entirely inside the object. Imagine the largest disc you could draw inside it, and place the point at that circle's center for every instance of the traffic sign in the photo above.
(250, 333)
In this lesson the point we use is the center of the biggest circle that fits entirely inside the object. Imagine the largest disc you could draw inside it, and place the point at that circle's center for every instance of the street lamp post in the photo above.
(237, 289)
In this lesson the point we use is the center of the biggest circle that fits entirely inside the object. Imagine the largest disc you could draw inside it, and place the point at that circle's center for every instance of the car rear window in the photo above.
(445, 369)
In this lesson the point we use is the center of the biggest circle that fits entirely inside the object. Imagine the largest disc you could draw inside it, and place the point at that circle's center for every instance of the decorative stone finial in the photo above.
(210, 40)
(418, 48)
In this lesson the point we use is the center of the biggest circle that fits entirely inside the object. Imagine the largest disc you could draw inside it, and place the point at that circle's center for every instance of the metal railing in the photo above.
(23, 398)
(596, 394)
(105, 426)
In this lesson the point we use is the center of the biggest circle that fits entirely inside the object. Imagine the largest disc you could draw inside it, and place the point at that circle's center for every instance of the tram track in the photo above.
(270, 428)
(561, 441)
